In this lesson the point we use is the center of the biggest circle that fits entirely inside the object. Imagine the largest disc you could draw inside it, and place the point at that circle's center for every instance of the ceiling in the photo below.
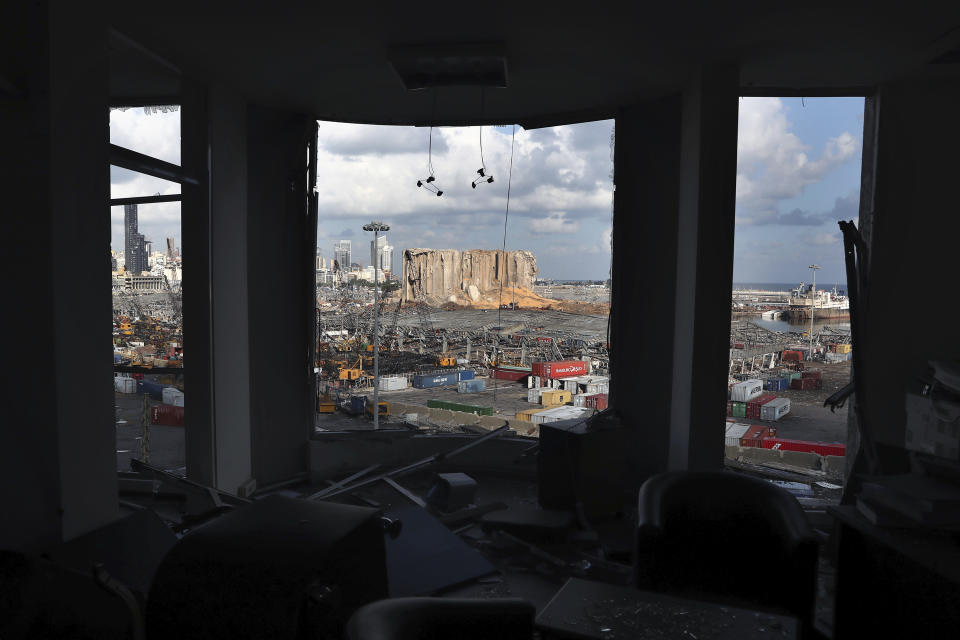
(563, 64)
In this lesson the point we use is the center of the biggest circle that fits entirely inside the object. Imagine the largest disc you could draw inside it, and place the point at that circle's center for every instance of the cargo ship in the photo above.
(824, 304)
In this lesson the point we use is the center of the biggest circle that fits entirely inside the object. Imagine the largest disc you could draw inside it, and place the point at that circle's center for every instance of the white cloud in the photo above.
(774, 164)
(554, 223)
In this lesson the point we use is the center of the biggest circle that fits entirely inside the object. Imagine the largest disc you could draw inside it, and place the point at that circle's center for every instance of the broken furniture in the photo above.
(452, 491)
(279, 567)
(694, 528)
(586, 609)
(442, 618)
(894, 582)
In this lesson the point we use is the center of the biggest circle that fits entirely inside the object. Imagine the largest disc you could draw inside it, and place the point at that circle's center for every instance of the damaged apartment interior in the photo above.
(625, 525)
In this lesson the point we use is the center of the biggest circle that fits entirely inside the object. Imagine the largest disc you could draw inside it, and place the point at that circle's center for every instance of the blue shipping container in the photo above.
(438, 380)
(467, 374)
(358, 404)
(152, 389)
(472, 386)
(777, 384)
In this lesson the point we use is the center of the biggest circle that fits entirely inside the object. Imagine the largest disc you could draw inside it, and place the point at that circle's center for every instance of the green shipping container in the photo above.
(456, 406)
(739, 409)
(796, 375)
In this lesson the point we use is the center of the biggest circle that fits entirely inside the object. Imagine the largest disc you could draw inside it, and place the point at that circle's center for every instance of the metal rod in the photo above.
(410, 468)
(341, 483)
(141, 163)
(173, 197)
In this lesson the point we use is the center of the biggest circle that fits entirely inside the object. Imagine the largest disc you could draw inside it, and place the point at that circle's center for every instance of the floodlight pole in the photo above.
(813, 298)
(376, 227)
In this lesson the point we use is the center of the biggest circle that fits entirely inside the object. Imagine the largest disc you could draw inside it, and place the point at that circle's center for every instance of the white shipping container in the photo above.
(533, 395)
(734, 432)
(172, 395)
(746, 391)
(123, 384)
(775, 409)
(561, 413)
(598, 387)
(393, 383)
(580, 400)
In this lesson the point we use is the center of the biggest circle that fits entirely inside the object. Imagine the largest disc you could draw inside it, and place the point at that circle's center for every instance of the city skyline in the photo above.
(798, 173)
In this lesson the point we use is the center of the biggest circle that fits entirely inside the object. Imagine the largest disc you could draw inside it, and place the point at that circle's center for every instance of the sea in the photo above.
(795, 325)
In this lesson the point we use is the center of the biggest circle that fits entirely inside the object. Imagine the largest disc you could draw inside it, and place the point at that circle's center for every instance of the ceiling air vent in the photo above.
(464, 65)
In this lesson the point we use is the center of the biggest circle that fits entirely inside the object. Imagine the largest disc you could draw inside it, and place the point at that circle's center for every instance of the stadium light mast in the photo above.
(813, 297)
(376, 227)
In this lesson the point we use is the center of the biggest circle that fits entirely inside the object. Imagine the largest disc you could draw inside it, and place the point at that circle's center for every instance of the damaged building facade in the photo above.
(436, 276)
(252, 83)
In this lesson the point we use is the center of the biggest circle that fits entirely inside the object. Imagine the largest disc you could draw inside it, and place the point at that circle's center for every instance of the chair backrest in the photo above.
(726, 535)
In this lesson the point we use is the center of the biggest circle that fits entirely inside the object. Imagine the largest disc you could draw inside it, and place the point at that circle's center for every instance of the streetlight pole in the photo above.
(813, 297)
(376, 227)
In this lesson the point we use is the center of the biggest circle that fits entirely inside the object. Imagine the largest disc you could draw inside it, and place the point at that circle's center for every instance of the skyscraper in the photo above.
(342, 254)
(381, 254)
(134, 245)
(171, 250)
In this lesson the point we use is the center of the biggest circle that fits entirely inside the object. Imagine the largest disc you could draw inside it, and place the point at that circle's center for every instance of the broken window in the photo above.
(492, 272)
(790, 348)
(146, 280)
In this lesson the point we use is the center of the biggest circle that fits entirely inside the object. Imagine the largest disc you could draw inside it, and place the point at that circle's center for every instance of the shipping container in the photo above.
(173, 396)
(775, 409)
(393, 383)
(580, 400)
(791, 356)
(777, 384)
(746, 391)
(796, 375)
(739, 410)
(556, 396)
(166, 415)
(124, 384)
(560, 413)
(436, 380)
(463, 408)
(806, 384)
(533, 395)
(734, 433)
(472, 386)
(560, 368)
(152, 389)
(755, 434)
(753, 407)
(821, 448)
(510, 373)
(467, 374)
(597, 401)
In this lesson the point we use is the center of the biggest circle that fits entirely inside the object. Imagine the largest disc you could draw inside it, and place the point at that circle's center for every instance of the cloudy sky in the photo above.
(798, 173)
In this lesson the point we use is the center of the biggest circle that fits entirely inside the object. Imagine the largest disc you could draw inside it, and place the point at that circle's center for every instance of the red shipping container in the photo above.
(559, 369)
(729, 407)
(755, 435)
(821, 448)
(167, 415)
(806, 384)
(817, 375)
(597, 401)
(510, 374)
(753, 407)
(136, 376)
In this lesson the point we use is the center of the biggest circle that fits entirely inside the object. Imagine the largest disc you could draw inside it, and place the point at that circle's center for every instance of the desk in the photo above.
(894, 583)
(595, 610)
